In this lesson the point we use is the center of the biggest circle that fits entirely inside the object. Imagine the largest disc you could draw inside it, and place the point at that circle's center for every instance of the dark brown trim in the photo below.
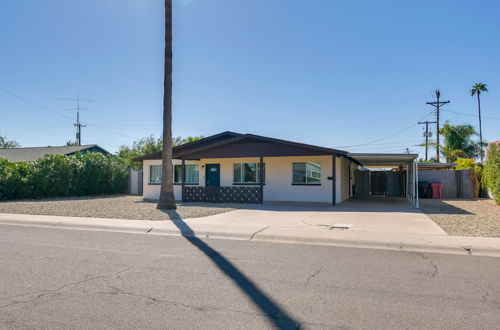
(187, 184)
(247, 183)
(307, 184)
(265, 149)
(183, 179)
(261, 178)
(254, 146)
(154, 184)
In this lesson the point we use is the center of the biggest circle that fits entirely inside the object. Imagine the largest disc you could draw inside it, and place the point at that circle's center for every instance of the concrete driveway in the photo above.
(385, 215)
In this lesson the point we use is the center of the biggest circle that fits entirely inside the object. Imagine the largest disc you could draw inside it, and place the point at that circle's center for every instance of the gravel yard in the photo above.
(464, 217)
(115, 206)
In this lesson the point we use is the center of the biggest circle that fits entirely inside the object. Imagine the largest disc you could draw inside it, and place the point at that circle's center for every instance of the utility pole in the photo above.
(78, 125)
(427, 134)
(437, 104)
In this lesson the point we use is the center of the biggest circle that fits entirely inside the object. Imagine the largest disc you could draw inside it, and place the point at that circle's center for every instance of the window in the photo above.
(307, 173)
(192, 174)
(246, 173)
(155, 174)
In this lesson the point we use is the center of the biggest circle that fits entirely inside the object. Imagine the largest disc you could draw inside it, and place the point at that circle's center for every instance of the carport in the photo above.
(403, 163)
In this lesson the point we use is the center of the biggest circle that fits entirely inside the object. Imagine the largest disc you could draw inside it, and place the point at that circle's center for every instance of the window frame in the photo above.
(180, 179)
(242, 176)
(173, 174)
(306, 183)
(150, 172)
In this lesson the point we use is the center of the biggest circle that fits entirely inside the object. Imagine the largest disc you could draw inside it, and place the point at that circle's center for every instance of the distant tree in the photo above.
(71, 143)
(477, 89)
(146, 146)
(177, 141)
(6, 144)
(141, 147)
(459, 142)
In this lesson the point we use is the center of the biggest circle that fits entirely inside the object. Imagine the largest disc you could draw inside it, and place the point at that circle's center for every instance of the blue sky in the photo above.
(332, 73)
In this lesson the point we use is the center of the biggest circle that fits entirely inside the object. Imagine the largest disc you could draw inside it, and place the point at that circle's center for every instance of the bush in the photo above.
(475, 173)
(491, 171)
(464, 164)
(57, 175)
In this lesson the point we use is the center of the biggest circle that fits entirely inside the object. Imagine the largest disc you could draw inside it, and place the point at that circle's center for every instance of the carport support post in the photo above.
(334, 181)
(417, 205)
(183, 178)
(407, 180)
(261, 179)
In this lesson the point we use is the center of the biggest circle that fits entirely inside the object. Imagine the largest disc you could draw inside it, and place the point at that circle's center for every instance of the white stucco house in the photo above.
(247, 168)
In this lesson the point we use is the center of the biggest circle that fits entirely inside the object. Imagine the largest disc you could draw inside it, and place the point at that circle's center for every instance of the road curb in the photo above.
(383, 245)
(392, 244)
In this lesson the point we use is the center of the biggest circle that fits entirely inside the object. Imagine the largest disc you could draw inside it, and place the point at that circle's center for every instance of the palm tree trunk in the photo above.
(480, 128)
(167, 200)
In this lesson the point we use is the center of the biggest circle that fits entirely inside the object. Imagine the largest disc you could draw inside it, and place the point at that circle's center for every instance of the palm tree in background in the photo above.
(477, 89)
(459, 142)
(167, 200)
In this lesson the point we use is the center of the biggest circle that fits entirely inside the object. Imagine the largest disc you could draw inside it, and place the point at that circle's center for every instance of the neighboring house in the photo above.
(247, 168)
(31, 154)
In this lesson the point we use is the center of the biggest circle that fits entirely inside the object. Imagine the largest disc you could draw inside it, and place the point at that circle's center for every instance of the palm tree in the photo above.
(458, 142)
(476, 90)
(167, 200)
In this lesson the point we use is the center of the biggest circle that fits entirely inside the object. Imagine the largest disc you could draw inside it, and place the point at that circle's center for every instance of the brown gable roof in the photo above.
(244, 145)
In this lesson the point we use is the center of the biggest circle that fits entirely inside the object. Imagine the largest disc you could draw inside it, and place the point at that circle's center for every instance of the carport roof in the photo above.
(382, 160)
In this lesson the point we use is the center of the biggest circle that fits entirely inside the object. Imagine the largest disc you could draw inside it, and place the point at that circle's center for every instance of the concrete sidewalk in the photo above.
(259, 231)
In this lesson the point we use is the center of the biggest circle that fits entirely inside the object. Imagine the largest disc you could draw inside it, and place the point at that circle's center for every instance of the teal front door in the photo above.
(212, 175)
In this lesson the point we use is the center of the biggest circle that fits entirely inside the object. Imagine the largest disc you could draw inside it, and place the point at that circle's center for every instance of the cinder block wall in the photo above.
(456, 184)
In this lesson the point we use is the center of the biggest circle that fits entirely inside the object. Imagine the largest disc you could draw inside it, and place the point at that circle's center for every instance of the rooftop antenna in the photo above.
(78, 125)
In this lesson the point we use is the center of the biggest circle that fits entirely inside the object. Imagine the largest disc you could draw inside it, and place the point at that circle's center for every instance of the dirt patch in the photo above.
(115, 206)
(464, 217)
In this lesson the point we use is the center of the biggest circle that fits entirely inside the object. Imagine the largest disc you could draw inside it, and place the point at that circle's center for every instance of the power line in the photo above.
(112, 132)
(60, 114)
(385, 137)
(468, 114)
(35, 104)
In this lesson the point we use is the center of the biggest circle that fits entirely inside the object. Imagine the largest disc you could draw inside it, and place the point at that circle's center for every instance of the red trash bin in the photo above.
(437, 188)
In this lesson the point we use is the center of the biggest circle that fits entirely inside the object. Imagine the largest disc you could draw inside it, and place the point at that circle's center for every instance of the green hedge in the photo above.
(491, 171)
(57, 175)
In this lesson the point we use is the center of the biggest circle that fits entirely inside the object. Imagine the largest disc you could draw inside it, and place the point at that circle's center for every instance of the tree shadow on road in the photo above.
(271, 309)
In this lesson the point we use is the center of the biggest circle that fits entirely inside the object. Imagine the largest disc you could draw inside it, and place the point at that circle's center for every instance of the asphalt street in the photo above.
(75, 279)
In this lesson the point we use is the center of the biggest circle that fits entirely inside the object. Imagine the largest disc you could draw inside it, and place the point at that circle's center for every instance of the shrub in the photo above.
(475, 173)
(491, 171)
(464, 164)
(57, 175)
